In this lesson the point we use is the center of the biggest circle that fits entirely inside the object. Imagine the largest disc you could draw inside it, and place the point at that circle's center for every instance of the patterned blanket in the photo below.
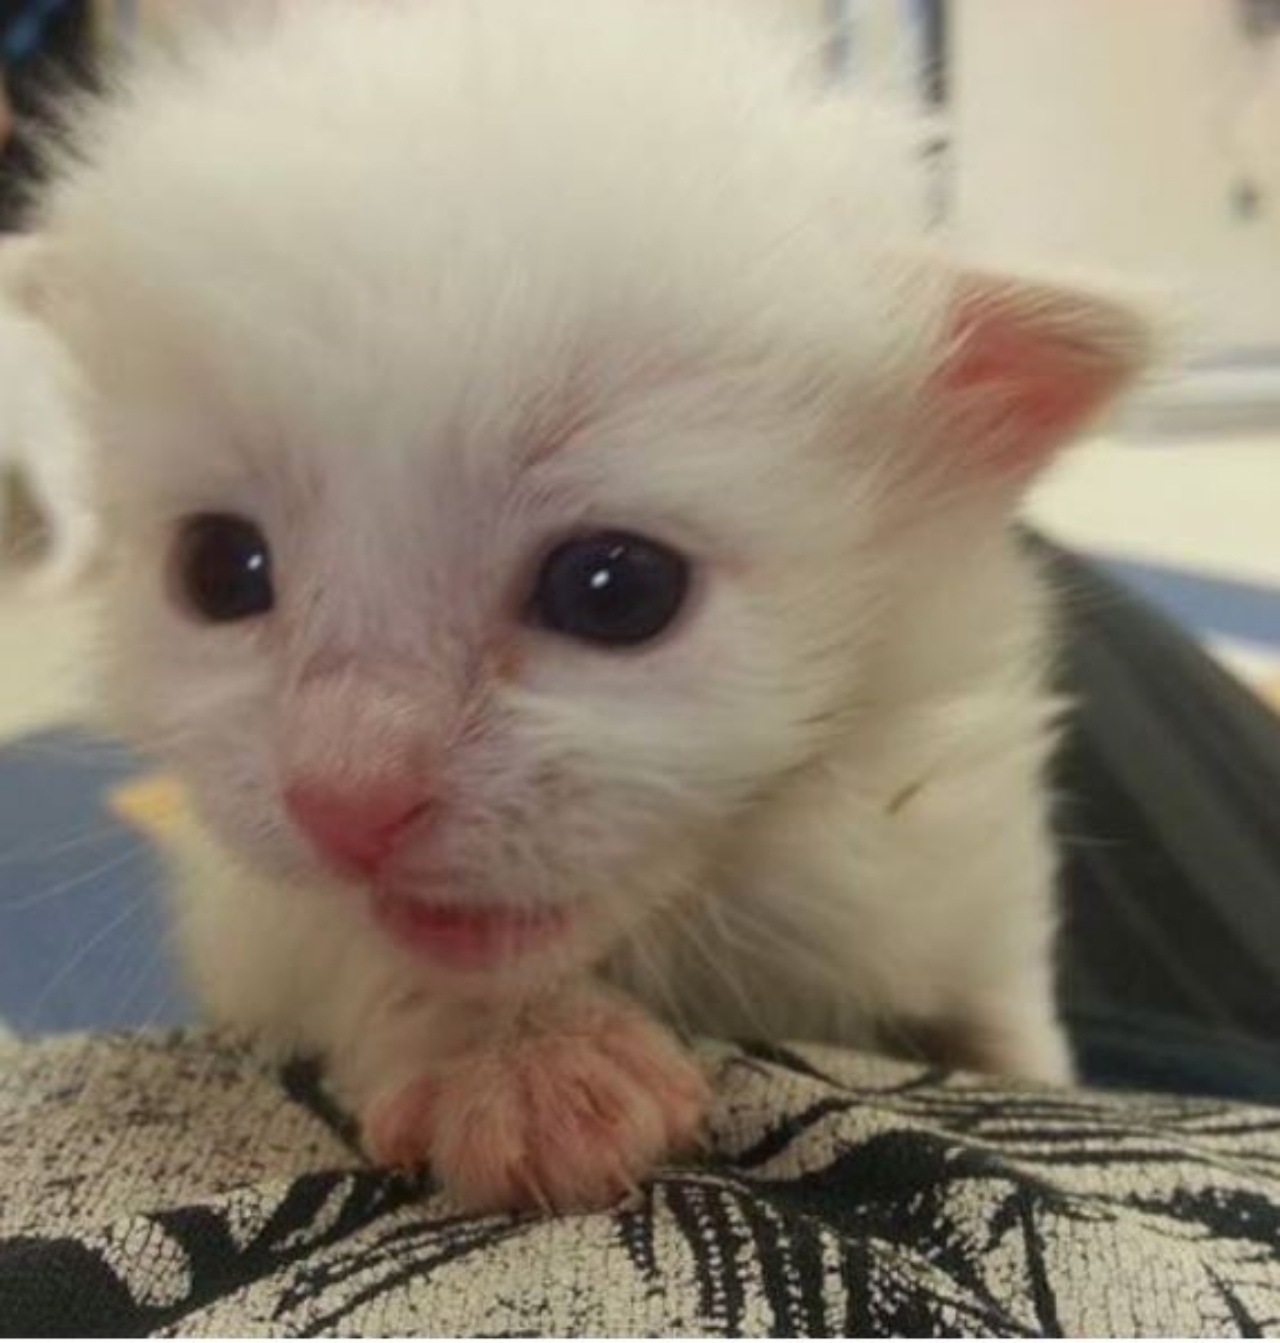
(176, 1184)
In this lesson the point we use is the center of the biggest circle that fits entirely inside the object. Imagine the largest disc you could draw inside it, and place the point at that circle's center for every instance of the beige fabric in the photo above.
(177, 1185)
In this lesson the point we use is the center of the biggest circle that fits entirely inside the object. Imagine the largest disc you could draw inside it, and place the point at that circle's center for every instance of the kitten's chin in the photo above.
(469, 938)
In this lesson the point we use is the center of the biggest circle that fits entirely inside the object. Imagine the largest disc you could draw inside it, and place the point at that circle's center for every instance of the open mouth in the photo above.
(466, 937)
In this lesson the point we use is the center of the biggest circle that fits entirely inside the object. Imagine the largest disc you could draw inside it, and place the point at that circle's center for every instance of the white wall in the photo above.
(1109, 134)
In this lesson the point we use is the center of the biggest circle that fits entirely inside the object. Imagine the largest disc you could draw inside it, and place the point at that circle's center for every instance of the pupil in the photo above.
(224, 568)
(611, 589)
(614, 585)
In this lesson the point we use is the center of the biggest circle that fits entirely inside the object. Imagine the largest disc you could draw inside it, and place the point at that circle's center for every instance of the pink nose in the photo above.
(356, 831)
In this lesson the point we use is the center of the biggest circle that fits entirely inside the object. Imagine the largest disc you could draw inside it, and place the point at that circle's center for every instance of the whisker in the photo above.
(153, 958)
(724, 970)
(113, 925)
(654, 970)
(37, 851)
(115, 863)
(89, 749)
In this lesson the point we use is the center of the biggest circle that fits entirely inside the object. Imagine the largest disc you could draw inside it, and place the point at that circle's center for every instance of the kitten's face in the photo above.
(553, 619)
(477, 439)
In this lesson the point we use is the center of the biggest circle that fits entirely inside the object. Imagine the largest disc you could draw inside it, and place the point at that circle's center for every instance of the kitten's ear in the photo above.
(1027, 366)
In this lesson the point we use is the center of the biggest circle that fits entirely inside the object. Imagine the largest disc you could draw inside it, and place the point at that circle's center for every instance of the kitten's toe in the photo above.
(398, 1126)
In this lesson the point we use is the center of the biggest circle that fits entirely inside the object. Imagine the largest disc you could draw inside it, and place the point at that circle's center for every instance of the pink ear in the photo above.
(1028, 366)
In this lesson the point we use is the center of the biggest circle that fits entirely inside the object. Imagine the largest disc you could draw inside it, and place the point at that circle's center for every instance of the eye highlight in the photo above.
(612, 589)
(222, 568)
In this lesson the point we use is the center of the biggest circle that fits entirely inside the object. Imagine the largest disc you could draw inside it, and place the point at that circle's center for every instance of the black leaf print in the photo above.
(61, 1287)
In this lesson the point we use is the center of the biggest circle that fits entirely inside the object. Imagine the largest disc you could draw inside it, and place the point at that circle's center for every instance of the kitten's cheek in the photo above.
(250, 824)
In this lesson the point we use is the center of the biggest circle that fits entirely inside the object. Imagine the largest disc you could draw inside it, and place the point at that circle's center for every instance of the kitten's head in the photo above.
(504, 407)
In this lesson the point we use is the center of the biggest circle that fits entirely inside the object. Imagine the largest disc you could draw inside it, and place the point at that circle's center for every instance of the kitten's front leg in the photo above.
(1017, 1035)
(564, 1105)
(1012, 1031)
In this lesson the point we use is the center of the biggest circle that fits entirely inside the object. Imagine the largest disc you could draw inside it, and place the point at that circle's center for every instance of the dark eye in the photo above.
(611, 588)
(223, 567)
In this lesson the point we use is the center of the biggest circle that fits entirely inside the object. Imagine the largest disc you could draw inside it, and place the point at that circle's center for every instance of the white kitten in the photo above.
(42, 439)
(563, 524)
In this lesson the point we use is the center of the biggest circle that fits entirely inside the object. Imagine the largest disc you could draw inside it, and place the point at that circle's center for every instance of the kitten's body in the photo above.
(422, 291)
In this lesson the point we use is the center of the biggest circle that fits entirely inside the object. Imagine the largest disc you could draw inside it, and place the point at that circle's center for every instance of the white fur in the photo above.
(347, 270)
(42, 438)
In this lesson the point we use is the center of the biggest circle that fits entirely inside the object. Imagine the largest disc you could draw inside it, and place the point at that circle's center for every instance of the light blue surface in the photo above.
(81, 934)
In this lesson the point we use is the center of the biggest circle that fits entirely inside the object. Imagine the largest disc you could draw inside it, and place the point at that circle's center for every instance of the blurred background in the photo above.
(1137, 139)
